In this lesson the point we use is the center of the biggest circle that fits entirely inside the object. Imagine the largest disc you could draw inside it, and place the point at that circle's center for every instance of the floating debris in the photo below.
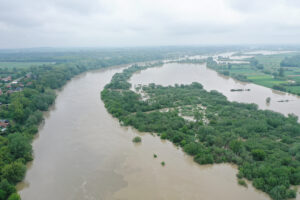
(239, 90)
(281, 101)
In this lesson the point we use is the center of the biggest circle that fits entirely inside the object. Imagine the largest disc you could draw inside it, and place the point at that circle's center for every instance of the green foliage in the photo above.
(293, 61)
(6, 189)
(264, 144)
(258, 154)
(19, 146)
(163, 136)
(236, 146)
(14, 196)
(163, 163)
(242, 182)
(137, 139)
(13, 172)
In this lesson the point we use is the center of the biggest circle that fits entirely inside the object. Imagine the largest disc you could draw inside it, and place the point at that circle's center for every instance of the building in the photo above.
(28, 75)
(6, 79)
(4, 123)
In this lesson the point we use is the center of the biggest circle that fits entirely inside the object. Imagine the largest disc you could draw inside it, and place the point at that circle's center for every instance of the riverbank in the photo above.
(262, 69)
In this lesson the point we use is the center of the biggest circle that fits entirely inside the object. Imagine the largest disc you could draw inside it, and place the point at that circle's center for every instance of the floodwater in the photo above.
(173, 73)
(82, 153)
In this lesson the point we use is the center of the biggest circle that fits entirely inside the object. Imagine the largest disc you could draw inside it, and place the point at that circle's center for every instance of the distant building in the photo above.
(18, 89)
(4, 123)
(7, 79)
(28, 75)
(29, 83)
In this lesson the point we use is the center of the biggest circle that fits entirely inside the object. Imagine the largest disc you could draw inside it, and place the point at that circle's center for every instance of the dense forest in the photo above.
(264, 144)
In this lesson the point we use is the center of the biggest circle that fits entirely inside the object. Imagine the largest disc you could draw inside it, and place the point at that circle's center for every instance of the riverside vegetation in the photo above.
(264, 144)
(28, 83)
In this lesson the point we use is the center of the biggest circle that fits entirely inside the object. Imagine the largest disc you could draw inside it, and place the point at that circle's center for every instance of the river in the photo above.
(81, 152)
(173, 73)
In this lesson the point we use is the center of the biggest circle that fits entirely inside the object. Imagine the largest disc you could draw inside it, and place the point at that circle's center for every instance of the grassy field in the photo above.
(269, 75)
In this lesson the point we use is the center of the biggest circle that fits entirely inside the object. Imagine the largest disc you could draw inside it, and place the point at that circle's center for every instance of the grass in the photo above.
(265, 80)
(293, 89)
(271, 64)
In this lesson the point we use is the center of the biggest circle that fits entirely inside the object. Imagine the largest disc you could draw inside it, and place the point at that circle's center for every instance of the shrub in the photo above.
(242, 182)
(137, 139)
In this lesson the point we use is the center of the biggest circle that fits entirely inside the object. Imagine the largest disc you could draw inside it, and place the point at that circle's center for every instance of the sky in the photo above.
(119, 23)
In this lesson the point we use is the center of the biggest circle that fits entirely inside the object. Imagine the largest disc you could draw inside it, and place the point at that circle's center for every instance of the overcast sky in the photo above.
(102, 23)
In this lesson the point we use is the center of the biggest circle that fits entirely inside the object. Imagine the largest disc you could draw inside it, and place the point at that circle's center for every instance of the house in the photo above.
(6, 79)
(9, 91)
(8, 85)
(28, 75)
(29, 83)
(18, 89)
(4, 123)
(14, 82)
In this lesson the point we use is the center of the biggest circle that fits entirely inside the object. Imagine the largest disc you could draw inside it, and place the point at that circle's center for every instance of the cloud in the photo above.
(99, 23)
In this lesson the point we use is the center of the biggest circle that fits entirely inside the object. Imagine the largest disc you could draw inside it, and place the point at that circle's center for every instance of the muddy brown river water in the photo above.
(82, 153)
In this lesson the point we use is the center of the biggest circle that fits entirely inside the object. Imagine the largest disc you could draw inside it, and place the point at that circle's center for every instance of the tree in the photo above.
(236, 146)
(281, 72)
(14, 196)
(19, 146)
(14, 172)
(6, 189)
(278, 192)
(258, 154)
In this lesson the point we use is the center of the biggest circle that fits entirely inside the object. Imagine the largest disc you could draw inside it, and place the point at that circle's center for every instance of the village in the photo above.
(9, 86)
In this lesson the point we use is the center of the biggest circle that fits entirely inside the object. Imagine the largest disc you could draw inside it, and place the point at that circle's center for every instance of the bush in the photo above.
(242, 182)
(163, 136)
(14, 196)
(14, 172)
(258, 154)
(137, 139)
